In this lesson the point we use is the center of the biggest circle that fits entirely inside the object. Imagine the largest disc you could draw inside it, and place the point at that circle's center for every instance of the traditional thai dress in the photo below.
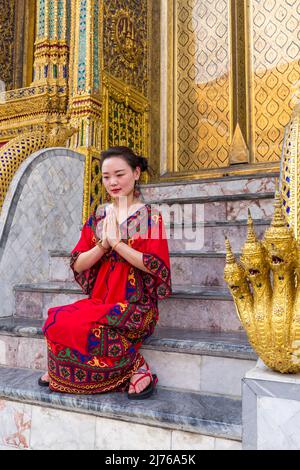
(93, 343)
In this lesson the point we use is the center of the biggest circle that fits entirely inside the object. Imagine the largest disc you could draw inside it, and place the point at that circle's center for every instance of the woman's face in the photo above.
(118, 177)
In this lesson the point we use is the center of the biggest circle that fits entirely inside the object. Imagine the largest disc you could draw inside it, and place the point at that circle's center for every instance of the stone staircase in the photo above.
(198, 350)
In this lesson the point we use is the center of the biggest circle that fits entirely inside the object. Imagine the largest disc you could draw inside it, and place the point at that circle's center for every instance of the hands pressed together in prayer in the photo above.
(111, 236)
(111, 231)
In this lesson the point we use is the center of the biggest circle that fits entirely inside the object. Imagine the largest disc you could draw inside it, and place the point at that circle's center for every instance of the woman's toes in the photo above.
(131, 388)
(140, 386)
(143, 384)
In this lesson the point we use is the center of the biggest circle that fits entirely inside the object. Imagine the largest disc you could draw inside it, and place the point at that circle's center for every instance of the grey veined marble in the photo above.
(271, 410)
(206, 414)
(234, 345)
(41, 211)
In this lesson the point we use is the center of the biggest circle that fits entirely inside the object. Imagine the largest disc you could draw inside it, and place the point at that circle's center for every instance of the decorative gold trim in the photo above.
(238, 152)
(249, 84)
(236, 170)
(122, 93)
(230, 73)
(173, 76)
(290, 177)
(168, 77)
(29, 40)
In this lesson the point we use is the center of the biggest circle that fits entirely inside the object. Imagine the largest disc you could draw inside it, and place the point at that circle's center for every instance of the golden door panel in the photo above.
(274, 72)
(203, 98)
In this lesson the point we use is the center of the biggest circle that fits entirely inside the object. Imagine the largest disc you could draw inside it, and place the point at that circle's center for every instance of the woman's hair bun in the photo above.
(143, 163)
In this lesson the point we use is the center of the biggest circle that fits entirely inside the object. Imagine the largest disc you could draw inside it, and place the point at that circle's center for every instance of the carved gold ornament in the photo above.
(126, 38)
(58, 136)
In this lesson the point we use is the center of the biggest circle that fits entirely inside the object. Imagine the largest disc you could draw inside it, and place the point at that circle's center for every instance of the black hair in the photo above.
(128, 155)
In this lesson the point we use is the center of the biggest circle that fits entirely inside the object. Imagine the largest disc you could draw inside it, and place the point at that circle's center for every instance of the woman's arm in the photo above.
(131, 255)
(87, 259)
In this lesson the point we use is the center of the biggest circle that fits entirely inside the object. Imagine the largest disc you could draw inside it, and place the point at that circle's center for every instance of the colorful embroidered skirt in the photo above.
(72, 372)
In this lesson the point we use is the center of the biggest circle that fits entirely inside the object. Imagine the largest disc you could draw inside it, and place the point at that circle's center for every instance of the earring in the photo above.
(137, 190)
(107, 197)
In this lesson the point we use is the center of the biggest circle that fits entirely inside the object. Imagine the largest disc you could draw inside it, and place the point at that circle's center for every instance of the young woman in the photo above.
(122, 262)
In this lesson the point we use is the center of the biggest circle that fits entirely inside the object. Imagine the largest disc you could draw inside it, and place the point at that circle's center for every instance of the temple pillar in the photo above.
(51, 56)
(85, 93)
(51, 47)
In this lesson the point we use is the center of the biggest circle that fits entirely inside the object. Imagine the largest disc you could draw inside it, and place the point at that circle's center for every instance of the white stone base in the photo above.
(24, 426)
(271, 410)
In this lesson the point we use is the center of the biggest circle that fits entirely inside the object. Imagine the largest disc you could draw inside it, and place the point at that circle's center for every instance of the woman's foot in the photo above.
(45, 377)
(140, 380)
(44, 380)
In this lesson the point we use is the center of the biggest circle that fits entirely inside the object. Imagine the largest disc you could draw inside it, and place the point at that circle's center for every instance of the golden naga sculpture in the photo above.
(265, 283)
(265, 286)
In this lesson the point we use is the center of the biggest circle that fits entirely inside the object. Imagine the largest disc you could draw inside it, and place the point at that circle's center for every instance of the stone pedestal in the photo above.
(271, 410)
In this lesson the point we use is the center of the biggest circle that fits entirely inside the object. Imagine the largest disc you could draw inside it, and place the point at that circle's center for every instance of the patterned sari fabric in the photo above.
(93, 344)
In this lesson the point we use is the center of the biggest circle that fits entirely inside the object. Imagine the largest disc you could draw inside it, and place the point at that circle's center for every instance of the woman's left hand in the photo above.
(112, 228)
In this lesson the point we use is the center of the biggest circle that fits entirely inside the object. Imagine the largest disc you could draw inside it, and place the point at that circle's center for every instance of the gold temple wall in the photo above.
(231, 75)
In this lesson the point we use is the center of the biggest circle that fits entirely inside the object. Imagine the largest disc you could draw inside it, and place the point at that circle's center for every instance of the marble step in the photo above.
(211, 187)
(189, 307)
(171, 353)
(170, 419)
(215, 208)
(211, 235)
(203, 269)
(200, 308)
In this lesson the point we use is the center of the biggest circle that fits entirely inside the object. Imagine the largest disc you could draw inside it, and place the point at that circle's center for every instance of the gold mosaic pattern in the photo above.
(203, 92)
(18, 149)
(14, 153)
(49, 102)
(275, 70)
